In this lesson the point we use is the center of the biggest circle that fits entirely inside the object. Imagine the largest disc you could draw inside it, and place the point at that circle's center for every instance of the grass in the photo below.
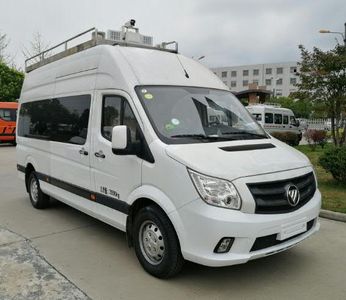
(333, 192)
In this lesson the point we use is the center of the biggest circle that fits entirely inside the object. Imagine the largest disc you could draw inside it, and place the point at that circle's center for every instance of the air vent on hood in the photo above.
(247, 147)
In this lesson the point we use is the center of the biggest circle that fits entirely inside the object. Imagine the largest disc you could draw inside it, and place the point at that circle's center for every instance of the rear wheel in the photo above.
(38, 199)
(156, 243)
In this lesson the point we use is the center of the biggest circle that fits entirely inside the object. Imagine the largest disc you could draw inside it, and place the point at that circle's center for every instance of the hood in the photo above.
(235, 159)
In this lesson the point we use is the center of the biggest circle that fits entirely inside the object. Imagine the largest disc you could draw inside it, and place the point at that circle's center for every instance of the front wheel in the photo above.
(38, 199)
(156, 243)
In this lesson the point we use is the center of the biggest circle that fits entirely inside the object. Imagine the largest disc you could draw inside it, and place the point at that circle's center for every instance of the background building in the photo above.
(279, 78)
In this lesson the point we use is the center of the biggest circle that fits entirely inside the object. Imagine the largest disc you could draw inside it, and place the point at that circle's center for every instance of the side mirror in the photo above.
(121, 140)
(120, 137)
(297, 123)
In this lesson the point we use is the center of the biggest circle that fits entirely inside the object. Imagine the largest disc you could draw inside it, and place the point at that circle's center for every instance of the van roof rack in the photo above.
(129, 36)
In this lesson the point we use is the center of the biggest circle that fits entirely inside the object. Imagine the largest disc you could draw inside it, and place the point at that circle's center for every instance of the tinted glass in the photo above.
(258, 117)
(131, 122)
(293, 120)
(116, 111)
(269, 118)
(8, 114)
(278, 119)
(285, 119)
(61, 119)
(190, 114)
(110, 115)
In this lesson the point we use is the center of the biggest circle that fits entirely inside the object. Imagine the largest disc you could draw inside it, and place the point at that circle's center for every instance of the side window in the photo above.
(130, 121)
(62, 120)
(285, 119)
(110, 115)
(278, 119)
(269, 118)
(293, 120)
(117, 111)
(258, 117)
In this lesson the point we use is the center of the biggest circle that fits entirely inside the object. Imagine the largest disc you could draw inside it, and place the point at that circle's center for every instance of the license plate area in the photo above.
(291, 230)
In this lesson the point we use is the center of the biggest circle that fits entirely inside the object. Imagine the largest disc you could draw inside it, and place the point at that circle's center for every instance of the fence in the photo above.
(318, 124)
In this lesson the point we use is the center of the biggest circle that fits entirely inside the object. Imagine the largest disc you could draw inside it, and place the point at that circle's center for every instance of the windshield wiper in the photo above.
(198, 136)
(261, 136)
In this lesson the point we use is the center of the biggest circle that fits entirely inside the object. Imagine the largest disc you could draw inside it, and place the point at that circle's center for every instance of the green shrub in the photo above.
(287, 137)
(334, 161)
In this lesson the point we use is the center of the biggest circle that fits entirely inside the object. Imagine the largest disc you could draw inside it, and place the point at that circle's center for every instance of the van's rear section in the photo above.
(8, 116)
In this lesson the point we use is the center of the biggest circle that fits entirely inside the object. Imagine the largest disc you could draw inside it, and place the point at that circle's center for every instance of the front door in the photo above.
(115, 176)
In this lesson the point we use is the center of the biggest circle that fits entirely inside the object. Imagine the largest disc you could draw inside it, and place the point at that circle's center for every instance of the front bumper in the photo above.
(200, 227)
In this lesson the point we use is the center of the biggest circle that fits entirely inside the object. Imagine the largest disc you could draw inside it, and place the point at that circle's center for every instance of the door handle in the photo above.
(100, 154)
(83, 151)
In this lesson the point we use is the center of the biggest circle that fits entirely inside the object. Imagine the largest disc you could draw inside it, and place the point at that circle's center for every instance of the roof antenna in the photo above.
(186, 74)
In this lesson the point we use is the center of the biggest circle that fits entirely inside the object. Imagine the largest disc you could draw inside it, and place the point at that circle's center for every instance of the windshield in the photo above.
(8, 114)
(189, 114)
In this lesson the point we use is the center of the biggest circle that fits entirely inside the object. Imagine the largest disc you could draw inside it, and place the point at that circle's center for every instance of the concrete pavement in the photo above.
(94, 257)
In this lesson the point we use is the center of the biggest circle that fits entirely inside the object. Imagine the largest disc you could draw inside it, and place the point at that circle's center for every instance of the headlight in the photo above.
(215, 191)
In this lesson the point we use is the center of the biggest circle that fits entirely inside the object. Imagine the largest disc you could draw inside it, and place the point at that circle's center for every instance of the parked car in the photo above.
(154, 144)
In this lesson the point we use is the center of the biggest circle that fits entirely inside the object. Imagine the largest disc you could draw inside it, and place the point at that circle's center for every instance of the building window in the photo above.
(293, 69)
(268, 71)
(279, 70)
(233, 84)
(256, 72)
(224, 82)
(268, 82)
(279, 81)
(245, 82)
(293, 81)
(278, 94)
(255, 81)
(215, 73)
(234, 74)
(224, 74)
(245, 72)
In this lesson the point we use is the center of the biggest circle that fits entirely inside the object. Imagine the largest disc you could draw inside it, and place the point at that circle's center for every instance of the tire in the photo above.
(156, 243)
(38, 199)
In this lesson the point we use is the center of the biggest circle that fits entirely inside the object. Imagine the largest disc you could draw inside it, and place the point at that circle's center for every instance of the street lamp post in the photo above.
(336, 32)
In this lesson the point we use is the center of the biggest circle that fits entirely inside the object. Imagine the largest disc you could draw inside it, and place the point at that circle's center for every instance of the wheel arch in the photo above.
(146, 196)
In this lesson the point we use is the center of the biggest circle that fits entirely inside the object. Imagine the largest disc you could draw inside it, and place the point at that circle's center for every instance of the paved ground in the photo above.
(60, 253)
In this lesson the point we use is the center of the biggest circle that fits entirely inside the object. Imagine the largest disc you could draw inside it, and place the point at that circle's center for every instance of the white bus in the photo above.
(154, 144)
(276, 119)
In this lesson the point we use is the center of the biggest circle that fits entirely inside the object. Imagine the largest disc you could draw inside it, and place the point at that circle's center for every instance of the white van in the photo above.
(154, 144)
(276, 119)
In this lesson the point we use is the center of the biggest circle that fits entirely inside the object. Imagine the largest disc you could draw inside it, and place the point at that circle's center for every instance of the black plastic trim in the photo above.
(270, 240)
(248, 147)
(110, 202)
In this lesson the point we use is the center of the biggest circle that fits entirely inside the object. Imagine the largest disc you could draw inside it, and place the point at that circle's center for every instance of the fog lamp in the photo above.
(224, 245)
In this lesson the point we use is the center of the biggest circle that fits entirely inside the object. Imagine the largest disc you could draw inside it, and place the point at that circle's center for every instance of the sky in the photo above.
(226, 32)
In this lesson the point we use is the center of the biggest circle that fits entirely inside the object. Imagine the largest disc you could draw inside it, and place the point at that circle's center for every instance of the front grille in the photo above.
(271, 198)
(270, 240)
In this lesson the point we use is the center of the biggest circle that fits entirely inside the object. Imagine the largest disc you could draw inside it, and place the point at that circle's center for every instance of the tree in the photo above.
(300, 107)
(3, 45)
(37, 45)
(323, 80)
(11, 81)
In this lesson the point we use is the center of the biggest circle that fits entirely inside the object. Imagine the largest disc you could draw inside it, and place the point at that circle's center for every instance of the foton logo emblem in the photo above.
(293, 195)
